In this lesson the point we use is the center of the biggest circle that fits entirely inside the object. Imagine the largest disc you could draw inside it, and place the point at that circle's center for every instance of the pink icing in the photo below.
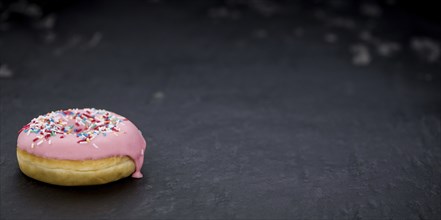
(127, 140)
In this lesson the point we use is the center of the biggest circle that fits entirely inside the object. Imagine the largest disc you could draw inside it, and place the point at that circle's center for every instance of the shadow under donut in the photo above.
(98, 201)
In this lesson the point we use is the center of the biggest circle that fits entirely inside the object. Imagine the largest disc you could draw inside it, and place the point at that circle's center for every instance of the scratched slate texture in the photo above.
(245, 117)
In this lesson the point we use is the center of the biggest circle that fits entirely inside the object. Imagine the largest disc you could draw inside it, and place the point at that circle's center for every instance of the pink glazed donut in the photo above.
(80, 147)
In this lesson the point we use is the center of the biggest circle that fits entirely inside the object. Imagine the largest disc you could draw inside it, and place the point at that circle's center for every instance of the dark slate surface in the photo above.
(247, 113)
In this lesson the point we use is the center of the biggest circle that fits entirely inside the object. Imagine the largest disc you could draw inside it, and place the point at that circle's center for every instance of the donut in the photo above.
(77, 147)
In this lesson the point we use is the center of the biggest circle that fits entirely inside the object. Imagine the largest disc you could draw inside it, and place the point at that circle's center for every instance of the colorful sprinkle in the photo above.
(85, 124)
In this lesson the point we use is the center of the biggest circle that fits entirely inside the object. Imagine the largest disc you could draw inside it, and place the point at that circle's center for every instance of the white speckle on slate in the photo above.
(158, 95)
(319, 14)
(387, 48)
(331, 37)
(4, 15)
(360, 55)
(391, 2)
(27, 9)
(266, 8)
(47, 22)
(371, 10)
(365, 35)
(220, 12)
(260, 33)
(71, 43)
(95, 40)
(342, 22)
(5, 72)
(4, 26)
(223, 12)
(337, 4)
(299, 31)
(49, 37)
(426, 48)
(349, 88)
(428, 77)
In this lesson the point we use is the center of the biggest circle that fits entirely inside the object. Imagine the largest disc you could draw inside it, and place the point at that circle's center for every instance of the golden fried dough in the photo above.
(73, 172)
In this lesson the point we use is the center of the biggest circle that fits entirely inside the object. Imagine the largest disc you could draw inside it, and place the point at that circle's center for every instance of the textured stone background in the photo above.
(251, 109)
